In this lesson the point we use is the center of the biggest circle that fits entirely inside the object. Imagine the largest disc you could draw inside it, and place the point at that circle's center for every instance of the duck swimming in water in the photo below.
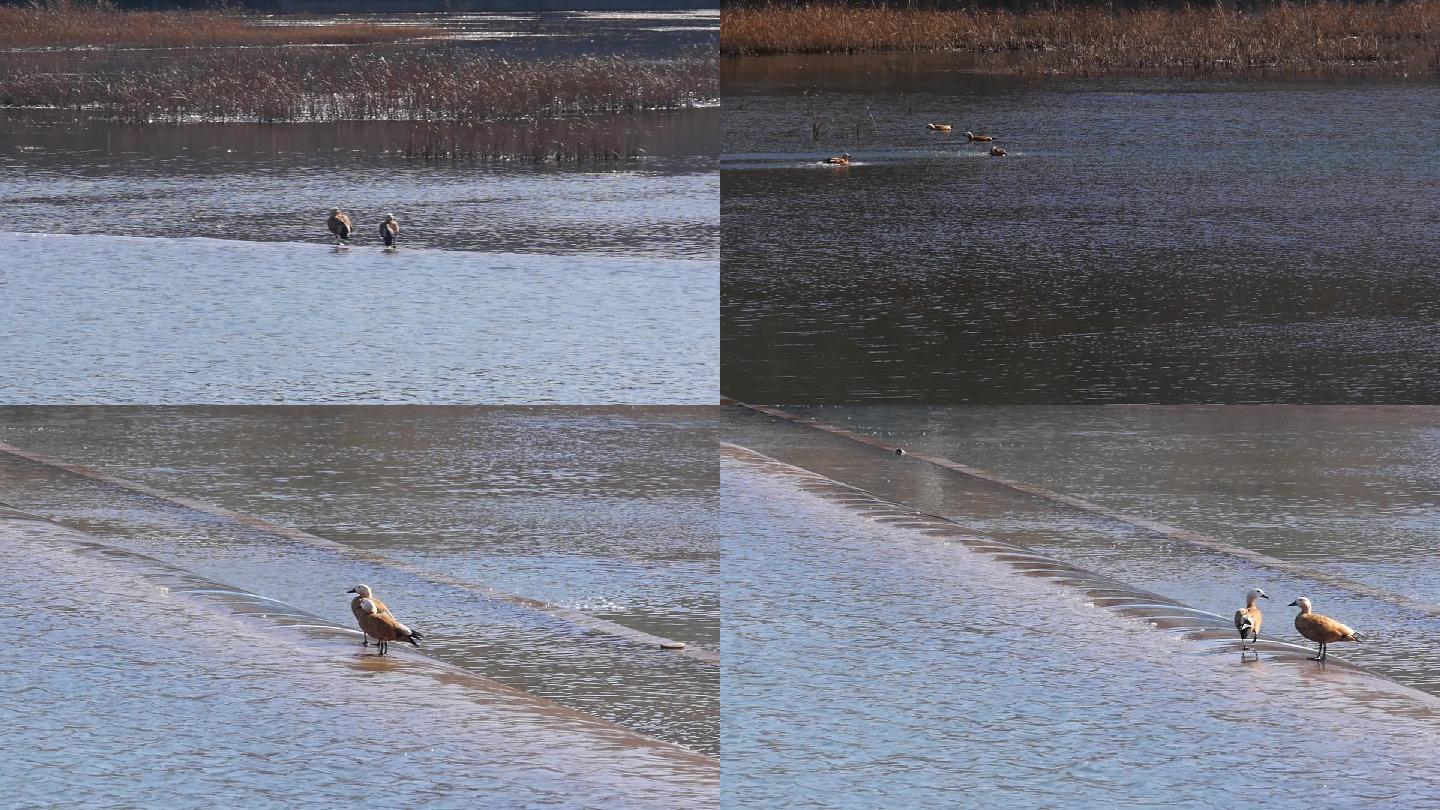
(983, 138)
(996, 151)
(843, 160)
(939, 127)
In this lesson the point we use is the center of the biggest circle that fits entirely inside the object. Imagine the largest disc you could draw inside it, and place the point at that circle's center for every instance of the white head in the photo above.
(1255, 593)
(1302, 603)
(363, 591)
(366, 606)
(334, 211)
(389, 217)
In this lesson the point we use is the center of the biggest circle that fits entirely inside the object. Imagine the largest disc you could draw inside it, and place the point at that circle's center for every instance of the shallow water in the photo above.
(933, 693)
(122, 320)
(1341, 497)
(605, 511)
(1147, 240)
(137, 684)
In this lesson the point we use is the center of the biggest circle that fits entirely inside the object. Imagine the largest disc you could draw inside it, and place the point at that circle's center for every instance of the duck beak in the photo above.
(1263, 596)
(352, 590)
(1294, 604)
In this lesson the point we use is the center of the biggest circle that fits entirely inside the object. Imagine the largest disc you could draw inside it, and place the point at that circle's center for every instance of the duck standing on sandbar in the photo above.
(1248, 618)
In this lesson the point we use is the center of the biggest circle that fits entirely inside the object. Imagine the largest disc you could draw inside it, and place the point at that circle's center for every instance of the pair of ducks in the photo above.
(376, 620)
(340, 225)
(1322, 630)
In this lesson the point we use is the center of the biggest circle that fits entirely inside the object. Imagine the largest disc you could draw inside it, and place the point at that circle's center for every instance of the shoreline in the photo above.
(1324, 39)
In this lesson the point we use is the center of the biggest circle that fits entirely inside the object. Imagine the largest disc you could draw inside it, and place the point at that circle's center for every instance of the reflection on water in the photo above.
(275, 182)
(1147, 240)
(947, 675)
(116, 319)
(1338, 492)
(147, 686)
(609, 511)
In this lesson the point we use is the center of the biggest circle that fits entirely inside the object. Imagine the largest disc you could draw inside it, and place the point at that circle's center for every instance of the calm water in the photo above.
(162, 320)
(607, 511)
(1342, 495)
(1148, 240)
(137, 684)
(948, 676)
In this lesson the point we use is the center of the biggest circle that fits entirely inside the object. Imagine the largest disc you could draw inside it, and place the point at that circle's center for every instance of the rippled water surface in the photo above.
(1333, 503)
(158, 320)
(869, 663)
(137, 684)
(609, 512)
(1146, 240)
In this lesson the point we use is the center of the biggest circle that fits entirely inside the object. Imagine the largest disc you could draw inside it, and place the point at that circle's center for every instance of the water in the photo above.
(114, 708)
(949, 677)
(163, 320)
(514, 283)
(1342, 499)
(606, 511)
(1147, 240)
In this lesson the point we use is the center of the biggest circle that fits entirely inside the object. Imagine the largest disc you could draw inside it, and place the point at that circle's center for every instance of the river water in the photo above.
(606, 512)
(872, 658)
(1146, 239)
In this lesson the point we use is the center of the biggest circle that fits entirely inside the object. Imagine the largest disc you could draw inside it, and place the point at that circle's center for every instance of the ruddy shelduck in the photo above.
(996, 151)
(363, 591)
(340, 225)
(1248, 618)
(843, 160)
(384, 627)
(985, 138)
(1322, 630)
(389, 229)
(939, 127)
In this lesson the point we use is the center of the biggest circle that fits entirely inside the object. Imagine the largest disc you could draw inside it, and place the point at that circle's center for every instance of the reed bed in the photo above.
(1399, 38)
(293, 85)
(62, 24)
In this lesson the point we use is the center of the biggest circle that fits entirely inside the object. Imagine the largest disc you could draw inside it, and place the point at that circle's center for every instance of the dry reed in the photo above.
(64, 24)
(1328, 36)
(285, 85)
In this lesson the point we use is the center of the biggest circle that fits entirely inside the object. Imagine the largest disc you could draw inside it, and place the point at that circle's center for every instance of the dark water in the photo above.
(606, 511)
(1149, 240)
(870, 663)
(1343, 498)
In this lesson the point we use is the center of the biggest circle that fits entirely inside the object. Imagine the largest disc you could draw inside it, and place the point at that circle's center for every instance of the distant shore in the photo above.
(1321, 38)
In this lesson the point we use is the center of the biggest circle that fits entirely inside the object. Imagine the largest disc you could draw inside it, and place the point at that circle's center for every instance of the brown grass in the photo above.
(1404, 37)
(282, 85)
(63, 24)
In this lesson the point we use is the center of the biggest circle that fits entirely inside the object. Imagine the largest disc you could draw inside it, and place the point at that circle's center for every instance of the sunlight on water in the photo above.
(114, 319)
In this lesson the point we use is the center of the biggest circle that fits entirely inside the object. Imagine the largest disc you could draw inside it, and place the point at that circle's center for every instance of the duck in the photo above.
(1248, 618)
(1322, 630)
(363, 591)
(385, 627)
(389, 229)
(843, 160)
(340, 225)
(939, 127)
(996, 151)
(985, 138)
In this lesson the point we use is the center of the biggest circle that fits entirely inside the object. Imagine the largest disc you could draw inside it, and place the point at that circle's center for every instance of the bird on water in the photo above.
(389, 229)
(982, 138)
(843, 160)
(1322, 630)
(363, 591)
(1248, 618)
(340, 225)
(384, 627)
